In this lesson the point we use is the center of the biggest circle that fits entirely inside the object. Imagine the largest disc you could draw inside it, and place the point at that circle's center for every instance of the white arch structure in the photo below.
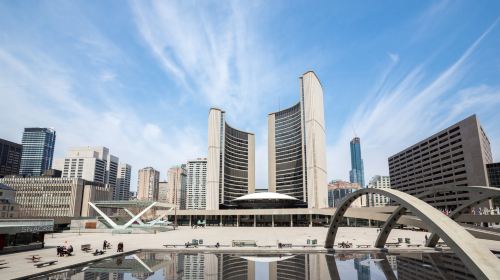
(476, 256)
(481, 194)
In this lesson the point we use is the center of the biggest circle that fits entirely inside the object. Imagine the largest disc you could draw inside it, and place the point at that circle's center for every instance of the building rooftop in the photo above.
(265, 195)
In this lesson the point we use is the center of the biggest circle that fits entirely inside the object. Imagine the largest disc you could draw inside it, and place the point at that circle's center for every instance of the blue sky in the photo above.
(139, 77)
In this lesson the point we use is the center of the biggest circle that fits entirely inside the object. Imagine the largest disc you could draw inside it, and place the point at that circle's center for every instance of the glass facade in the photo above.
(10, 158)
(357, 173)
(289, 147)
(38, 150)
(494, 178)
(236, 151)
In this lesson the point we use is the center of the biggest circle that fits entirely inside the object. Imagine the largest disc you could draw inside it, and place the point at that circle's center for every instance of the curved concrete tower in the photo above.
(297, 146)
(230, 162)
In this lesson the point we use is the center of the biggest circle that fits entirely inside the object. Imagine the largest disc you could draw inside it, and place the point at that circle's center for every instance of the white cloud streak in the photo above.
(400, 115)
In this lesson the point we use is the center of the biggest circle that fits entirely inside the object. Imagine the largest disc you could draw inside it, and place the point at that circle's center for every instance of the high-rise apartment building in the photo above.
(122, 189)
(176, 177)
(94, 164)
(297, 146)
(163, 191)
(455, 156)
(230, 163)
(148, 184)
(196, 185)
(10, 157)
(379, 182)
(38, 150)
(357, 173)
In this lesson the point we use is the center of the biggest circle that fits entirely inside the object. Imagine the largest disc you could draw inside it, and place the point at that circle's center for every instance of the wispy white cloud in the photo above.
(46, 91)
(210, 51)
(410, 110)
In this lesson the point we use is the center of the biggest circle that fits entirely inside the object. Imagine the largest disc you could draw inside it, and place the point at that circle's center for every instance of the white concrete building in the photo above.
(148, 184)
(93, 164)
(196, 185)
(230, 162)
(122, 189)
(379, 182)
(176, 190)
(297, 146)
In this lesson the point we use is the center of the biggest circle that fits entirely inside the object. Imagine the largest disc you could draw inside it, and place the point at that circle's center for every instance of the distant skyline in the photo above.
(140, 77)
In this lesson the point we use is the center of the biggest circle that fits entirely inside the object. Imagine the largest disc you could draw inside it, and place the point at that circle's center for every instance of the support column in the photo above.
(291, 220)
(254, 220)
(237, 221)
(310, 220)
(220, 220)
(272, 220)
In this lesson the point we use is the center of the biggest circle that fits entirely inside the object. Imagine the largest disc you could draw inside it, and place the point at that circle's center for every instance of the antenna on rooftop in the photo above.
(354, 131)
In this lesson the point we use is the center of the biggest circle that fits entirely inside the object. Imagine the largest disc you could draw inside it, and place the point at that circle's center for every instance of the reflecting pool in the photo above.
(204, 265)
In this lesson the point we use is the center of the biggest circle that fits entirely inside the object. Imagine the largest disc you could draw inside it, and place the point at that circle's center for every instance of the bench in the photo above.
(86, 248)
(286, 245)
(414, 245)
(188, 244)
(244, 243)
(98, 253)
(363, 246)
(38, 265)
(395, 244)
(173, 245)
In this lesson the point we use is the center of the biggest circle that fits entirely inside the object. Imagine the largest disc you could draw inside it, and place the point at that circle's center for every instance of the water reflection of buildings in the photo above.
(171, 266)
(362, 266)
(431, 266)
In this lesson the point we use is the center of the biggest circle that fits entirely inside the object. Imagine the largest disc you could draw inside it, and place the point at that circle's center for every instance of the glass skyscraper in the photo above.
(357, 173)
(38, 150)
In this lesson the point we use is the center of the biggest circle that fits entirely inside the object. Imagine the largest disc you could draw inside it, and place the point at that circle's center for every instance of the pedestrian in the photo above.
(104, 245)
(426, 238)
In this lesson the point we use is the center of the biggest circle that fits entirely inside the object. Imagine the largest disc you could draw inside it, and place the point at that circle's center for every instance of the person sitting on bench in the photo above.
(97, 252)
(69, 251)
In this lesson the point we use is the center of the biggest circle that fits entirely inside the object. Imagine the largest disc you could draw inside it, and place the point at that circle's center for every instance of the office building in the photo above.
(176, 177)
(10, 158)
(148, 184)
(297, 146)
(230, 163)
(379, 182)
(122, 189)
(38, 150)
(454, 156)
(196, 185)
(163, 191)
(58, 198)
(357, 173)
(93, 164)
(338, 190)
(494, 178)
(9, 209)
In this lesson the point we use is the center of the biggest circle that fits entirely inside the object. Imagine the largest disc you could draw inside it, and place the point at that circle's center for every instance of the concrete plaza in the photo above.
(20, 266)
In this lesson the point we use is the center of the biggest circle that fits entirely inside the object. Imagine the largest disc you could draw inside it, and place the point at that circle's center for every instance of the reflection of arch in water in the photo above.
(477, 257)
(481, 194)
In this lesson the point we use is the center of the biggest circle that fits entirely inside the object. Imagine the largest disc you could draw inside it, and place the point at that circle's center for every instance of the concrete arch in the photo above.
(484, 193)
(477, 257)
